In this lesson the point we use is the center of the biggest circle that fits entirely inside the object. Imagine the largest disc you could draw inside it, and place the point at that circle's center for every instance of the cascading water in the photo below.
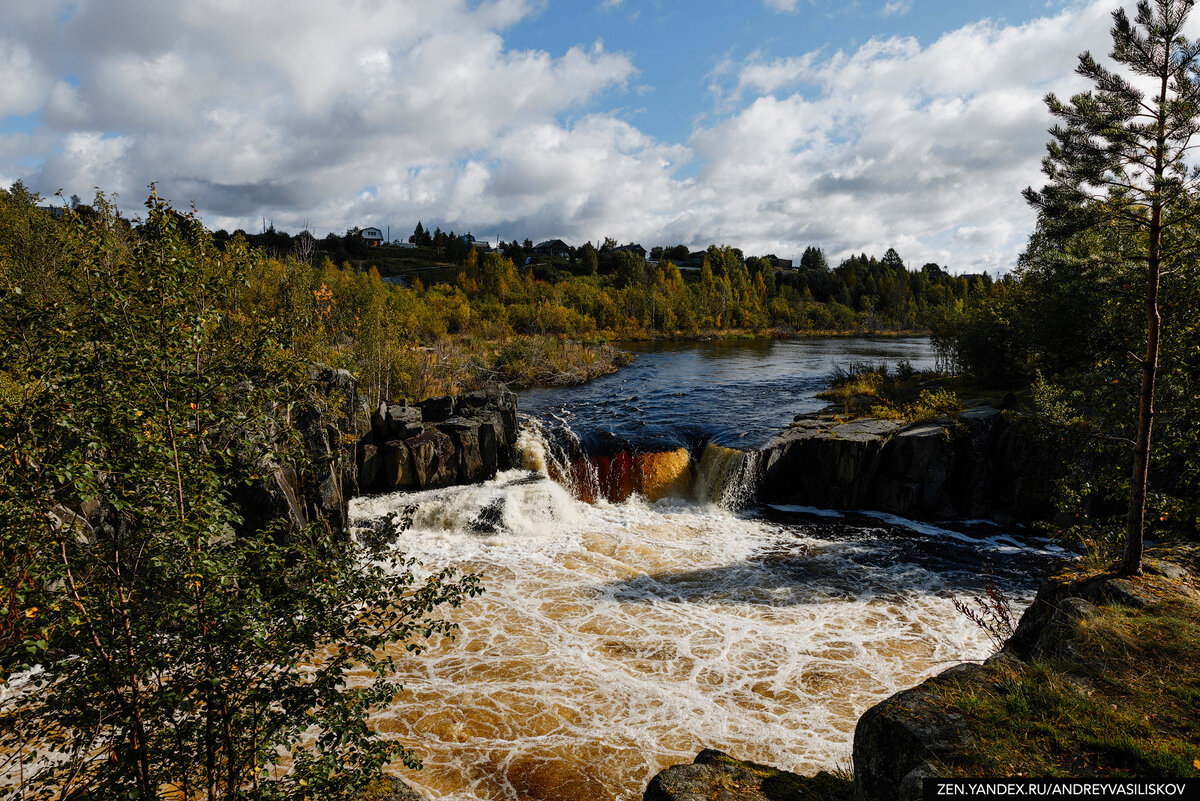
(617, 638)
(638, 607)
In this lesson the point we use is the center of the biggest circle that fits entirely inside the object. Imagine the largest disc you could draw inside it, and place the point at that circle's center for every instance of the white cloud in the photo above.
(895, 8)
(897, 143)
(780, 5)
(391, 112)
(25, 83)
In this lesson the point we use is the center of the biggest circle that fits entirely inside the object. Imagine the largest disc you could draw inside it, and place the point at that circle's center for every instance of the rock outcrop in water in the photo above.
(440, 442)
(977, 465)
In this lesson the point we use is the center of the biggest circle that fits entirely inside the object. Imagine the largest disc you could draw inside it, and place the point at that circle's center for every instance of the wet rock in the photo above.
(716, 776)
(975, 465)
(439, 442)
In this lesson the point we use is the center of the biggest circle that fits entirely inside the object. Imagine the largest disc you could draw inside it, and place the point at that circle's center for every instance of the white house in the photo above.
(372, 236)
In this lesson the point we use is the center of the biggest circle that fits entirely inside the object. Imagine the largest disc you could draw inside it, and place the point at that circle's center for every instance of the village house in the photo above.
(372, 236)
(554, 248)
(480, 245)
(635, 249)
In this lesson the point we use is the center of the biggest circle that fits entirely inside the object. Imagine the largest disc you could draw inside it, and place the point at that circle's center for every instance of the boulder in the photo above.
(898, 741)
(402, 421)
(439, 442)
(716, 776)
(433, 459)
(435, 410)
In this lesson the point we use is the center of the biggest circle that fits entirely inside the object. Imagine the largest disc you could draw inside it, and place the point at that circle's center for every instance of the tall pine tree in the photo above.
(1119, 157)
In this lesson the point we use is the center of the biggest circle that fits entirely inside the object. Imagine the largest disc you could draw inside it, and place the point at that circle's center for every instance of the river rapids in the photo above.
(638, 609)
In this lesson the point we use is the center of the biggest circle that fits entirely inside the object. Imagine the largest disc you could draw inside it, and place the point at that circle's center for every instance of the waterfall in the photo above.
(726, 477)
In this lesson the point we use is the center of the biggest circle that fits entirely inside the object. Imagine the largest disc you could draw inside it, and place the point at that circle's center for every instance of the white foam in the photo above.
(628, 638)
(805, 510)
(1002, 543)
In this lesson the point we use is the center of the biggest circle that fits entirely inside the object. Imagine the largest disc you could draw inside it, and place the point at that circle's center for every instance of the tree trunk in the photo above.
(1131, 564)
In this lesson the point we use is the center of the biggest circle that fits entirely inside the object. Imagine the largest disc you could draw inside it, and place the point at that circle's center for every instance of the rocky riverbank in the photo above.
(978, 463)
(1100, 679)
(440, 442)
(352, 449)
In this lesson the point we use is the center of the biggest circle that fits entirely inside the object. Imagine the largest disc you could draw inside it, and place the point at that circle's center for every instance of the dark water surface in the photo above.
(738, 393)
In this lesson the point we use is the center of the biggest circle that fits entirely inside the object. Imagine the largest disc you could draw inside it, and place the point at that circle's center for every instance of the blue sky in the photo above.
(770, 125)
(680, 46)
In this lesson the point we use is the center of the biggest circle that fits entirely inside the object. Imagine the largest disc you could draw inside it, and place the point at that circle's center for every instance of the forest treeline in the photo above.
(510, 315)
(1067, 326)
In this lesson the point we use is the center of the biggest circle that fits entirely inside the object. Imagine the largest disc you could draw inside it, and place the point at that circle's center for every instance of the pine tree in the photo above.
(1118, 158)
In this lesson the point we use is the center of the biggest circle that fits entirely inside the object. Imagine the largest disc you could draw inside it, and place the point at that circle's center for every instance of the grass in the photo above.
(1130, 708)
(547, 361)
(866, 389)
(901, 393)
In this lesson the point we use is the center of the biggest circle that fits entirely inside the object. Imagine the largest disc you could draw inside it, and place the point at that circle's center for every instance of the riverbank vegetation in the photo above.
(1117, 696)
(164, 632)
(1098, 320)
(863, 389)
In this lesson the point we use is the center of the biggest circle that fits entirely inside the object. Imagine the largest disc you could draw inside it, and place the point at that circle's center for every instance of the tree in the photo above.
(814, 259)
(892, 259)
(588, 259)
(184, 642)
(1118, 158)
(418, 235)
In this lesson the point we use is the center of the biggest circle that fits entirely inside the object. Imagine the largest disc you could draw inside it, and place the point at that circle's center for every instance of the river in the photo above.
(639, 606)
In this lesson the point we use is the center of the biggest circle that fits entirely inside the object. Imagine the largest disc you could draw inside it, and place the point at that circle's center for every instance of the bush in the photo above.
(177, 646)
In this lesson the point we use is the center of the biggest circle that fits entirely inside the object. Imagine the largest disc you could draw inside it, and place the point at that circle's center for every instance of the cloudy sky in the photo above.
(770, 125)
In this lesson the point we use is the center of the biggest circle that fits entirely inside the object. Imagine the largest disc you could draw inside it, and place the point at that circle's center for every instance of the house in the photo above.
(57, 212)
(372, 236)
(779, 264)
(554, 248)
(480, 245)
(635, 249)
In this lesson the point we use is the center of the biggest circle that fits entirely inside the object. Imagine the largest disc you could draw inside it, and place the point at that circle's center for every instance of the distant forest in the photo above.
(676, 292)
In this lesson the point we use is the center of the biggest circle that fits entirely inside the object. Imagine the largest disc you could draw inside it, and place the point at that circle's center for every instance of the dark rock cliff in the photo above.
(976, 465)
(329, 422)
(456, 439)
(351, 450)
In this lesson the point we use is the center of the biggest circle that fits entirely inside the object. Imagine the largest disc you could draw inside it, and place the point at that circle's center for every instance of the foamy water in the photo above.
(619, 638)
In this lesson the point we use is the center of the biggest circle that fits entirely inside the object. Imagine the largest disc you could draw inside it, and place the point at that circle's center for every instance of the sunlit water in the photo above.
(617, 638)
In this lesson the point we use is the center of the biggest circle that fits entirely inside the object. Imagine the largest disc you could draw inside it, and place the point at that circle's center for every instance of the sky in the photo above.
(768, 125)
